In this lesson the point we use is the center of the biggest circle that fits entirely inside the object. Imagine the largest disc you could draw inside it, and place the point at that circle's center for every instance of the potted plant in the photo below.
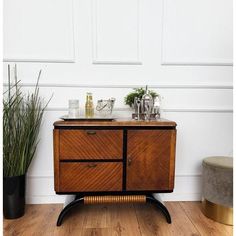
(22, 117)
(138, 92)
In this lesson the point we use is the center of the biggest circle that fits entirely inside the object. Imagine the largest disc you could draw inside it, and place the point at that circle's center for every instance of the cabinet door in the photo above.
(150, 160)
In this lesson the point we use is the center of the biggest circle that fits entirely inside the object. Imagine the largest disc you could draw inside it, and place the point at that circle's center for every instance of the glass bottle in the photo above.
(89, 108)
(74, 108)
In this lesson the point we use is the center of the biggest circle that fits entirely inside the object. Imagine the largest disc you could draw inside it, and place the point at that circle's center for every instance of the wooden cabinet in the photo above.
(118, 156)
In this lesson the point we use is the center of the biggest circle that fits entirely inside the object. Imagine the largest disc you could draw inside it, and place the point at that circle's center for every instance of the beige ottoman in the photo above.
(217, 202)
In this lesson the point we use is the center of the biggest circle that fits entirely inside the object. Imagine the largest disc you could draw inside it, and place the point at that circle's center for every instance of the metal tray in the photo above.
(98, 118)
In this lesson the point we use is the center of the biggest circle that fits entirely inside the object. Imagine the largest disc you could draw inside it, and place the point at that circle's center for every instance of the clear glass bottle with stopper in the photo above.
(89, 108)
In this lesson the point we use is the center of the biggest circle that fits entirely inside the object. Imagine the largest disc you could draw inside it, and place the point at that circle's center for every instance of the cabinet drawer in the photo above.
(90, 176)
(91, 144)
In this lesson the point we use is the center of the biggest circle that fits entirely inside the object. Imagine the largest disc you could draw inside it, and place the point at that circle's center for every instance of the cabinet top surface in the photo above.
(116, 122)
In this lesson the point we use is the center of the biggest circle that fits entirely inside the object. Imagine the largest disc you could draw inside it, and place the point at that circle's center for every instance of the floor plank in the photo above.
(205, 226)
(123, 220)
(153, 222)
(96, 232)
(97, 216)
(116, 220)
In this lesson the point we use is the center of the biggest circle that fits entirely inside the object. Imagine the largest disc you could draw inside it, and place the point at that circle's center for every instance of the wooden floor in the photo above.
(109, 220)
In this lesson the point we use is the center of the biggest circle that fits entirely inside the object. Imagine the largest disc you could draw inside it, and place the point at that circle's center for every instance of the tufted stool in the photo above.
(217, 202)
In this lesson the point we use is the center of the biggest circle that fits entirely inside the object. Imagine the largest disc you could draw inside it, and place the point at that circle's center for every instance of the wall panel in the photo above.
(38, 31)
(197, 32)
(116, 32)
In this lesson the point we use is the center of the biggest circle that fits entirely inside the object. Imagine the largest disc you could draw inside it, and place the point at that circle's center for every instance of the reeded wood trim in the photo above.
(56, 147)
(172, 160)
(114, 199)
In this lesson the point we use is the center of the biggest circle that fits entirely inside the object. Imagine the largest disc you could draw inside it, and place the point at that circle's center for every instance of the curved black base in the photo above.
(67, 208)
(160, 206)
(78, 200)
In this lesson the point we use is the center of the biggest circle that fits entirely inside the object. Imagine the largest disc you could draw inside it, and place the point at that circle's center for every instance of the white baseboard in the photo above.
(175, 197)
(45, 199)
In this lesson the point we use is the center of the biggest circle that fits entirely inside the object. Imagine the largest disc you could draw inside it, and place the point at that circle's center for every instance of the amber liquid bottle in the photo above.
(89, 108)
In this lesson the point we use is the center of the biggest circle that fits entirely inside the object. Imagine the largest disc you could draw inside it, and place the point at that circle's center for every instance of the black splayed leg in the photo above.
(67, 208)
(160, 206)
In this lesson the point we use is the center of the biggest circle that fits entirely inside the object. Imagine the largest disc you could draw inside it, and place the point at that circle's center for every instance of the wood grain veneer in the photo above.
(172, 159)
(150, 159)
(56, 144)
(91, 176)
(91, 144)
(144, 162)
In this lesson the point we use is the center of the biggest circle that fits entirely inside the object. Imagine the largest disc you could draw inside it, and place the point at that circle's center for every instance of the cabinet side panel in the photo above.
(56, 146)
(172, 160)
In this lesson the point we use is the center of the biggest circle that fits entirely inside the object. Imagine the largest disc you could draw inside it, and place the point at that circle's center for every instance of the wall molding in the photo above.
(35, 60)
(157, 86)
(96, 60)
(191, 63)
(100, 62)
(199, 110)
(45, 199)
(187, 61)
(191, 110)
(50, 60)
(180, 197)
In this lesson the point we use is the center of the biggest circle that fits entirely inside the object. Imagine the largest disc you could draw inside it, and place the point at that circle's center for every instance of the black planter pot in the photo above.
(13, 196)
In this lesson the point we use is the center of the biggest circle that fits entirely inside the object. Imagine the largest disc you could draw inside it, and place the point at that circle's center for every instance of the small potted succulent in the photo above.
(22, 117)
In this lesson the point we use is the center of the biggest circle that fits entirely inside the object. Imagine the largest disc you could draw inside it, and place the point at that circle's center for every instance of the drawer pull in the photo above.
(91, 132)
(92, 165)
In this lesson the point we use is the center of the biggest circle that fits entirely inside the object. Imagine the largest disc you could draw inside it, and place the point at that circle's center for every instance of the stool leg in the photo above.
(67, 208)
(160, 206)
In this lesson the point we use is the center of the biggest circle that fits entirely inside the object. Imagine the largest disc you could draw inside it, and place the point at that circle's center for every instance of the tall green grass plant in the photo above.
(22, 118)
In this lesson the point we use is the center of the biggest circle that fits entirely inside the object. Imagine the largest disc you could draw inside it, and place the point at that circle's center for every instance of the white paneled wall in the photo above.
(194, 32)
(38, 30)
(181, 48)
(116, 32)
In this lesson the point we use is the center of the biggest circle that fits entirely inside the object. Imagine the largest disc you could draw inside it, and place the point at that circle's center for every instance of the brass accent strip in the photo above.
(114, 199)
(217, 212)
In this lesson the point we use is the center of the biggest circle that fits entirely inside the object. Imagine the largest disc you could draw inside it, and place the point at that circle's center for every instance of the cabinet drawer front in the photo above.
(90, 176)
(91, 144)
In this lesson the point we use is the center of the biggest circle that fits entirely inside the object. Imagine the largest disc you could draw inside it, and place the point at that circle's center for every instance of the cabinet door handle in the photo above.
(91, 132)
(91, 165)
(129, 161)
